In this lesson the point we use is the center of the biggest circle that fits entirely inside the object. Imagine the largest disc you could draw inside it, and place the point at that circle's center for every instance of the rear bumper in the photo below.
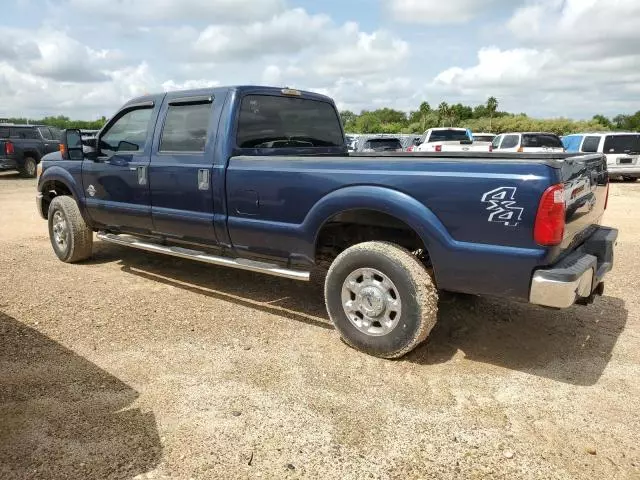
(626, 170)
(578, 276)
(8, 163)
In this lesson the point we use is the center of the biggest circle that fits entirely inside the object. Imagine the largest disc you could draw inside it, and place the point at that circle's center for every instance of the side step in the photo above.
(241, 263)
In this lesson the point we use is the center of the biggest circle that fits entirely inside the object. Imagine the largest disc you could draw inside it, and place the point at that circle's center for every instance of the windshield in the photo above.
(268, 121)
(448, 136)
(383, 143)
(622, 144)
(541, 140)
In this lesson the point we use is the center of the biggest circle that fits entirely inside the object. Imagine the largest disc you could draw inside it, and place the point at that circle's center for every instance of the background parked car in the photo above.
(22, 146)
(448, 140)
(383, 144)
(622, 150)
(528, 142)
(483, 138)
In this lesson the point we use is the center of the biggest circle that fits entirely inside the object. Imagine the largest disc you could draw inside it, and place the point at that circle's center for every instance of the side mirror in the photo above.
(71, 146)
(125, 146)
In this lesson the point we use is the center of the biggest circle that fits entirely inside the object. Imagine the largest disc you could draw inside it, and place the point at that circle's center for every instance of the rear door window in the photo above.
(24, 133)
(4, 132)
(186, 127)
(283, 122)
(510, 141)
(590, 144)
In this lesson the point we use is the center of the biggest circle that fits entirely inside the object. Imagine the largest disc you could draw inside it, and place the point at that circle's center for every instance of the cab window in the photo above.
(128, 133)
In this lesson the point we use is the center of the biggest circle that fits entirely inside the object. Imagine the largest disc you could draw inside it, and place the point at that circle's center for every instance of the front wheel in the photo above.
(71, 239)
(381, 299)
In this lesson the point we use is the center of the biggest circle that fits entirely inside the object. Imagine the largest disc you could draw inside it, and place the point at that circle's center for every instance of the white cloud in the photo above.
(433, 12)
(582, 58)
(286, 33)
(171, 85)
(54, 54)
(140, 11)
(363, 53)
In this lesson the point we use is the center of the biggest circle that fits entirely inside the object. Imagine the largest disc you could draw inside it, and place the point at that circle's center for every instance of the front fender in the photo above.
(55, 173)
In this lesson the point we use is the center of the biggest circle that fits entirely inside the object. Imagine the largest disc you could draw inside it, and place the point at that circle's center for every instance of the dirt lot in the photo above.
(140, 366)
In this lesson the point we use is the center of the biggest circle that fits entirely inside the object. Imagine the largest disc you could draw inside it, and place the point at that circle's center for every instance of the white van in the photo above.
(621, 148)
(528, 142)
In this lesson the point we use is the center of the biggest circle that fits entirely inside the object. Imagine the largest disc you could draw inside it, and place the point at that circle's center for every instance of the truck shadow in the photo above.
(571, 346)
(63, 417)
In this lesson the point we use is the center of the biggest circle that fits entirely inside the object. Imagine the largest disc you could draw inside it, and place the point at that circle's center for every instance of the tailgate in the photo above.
(586, 182)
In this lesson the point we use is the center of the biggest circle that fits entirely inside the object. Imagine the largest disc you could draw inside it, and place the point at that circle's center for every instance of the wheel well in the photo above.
(50, 190)
(32, 154)
(349, 228)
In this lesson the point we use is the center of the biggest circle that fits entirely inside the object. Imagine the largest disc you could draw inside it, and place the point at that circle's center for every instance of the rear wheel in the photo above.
(29, 167)
(381, 299)
(71, 239)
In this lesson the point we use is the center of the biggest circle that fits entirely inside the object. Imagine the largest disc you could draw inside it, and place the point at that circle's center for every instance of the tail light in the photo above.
(9, 149)
(521, 150)
(438, 148)
(410, 148)
(550, 219)
(490, 148)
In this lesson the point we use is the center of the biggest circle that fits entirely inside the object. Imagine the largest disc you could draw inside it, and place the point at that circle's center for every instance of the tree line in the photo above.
(60, 122)
(481, 118)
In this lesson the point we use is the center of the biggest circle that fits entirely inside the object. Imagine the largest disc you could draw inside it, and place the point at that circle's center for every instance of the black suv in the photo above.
(22, 146)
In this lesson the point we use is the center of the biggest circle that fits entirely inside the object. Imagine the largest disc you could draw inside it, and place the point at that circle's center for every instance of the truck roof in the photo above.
(241, 89)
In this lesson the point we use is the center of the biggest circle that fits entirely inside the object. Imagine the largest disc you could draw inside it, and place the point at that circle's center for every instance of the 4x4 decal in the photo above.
(502, 206)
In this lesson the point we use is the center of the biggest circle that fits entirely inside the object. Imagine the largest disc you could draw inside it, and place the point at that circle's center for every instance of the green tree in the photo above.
(492, 108)
(602, 120)
(443, 112)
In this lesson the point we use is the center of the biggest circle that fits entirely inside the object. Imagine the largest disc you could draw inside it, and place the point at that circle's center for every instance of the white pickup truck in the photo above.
(449, 140)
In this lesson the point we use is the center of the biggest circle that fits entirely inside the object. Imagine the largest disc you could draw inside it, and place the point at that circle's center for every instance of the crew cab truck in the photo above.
(445, 140)
(22, 146)
(259, 179)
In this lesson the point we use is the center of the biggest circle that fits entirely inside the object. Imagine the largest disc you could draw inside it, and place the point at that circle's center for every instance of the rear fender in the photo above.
(392, 202)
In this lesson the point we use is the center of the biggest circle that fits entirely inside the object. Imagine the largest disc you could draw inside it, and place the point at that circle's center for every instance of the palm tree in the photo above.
(492, 107)
(443, 111)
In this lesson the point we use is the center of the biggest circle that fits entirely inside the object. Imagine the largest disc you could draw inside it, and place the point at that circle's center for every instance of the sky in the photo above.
(548, 58)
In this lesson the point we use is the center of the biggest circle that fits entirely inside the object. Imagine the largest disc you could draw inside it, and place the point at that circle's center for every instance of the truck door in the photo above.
(181, 167)
(116, 183)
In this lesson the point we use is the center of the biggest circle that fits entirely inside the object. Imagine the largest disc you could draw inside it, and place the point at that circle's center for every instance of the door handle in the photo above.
(203, 179)
(142, 175)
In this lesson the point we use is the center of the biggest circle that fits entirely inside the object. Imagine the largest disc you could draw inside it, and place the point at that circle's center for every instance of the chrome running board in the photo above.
(240, 263)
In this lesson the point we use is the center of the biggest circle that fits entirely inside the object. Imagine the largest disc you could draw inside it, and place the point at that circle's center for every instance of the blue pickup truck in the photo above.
(260, 179)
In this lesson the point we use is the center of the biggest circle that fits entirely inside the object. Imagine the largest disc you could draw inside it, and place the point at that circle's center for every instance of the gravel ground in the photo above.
(134, 365)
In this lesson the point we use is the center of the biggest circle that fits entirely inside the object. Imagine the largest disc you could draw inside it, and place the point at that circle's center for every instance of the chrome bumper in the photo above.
(579, 275)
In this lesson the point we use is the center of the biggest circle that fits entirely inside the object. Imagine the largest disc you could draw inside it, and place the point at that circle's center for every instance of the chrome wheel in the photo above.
(60, 230)
(371, 302)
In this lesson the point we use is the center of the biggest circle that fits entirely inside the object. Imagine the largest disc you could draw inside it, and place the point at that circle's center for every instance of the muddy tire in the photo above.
(29, 168)
(381, 299)
(71, 239)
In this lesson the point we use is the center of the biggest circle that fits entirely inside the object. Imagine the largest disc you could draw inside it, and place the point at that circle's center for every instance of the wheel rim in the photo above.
(30, 167)
(60, 230)
(371, 302)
